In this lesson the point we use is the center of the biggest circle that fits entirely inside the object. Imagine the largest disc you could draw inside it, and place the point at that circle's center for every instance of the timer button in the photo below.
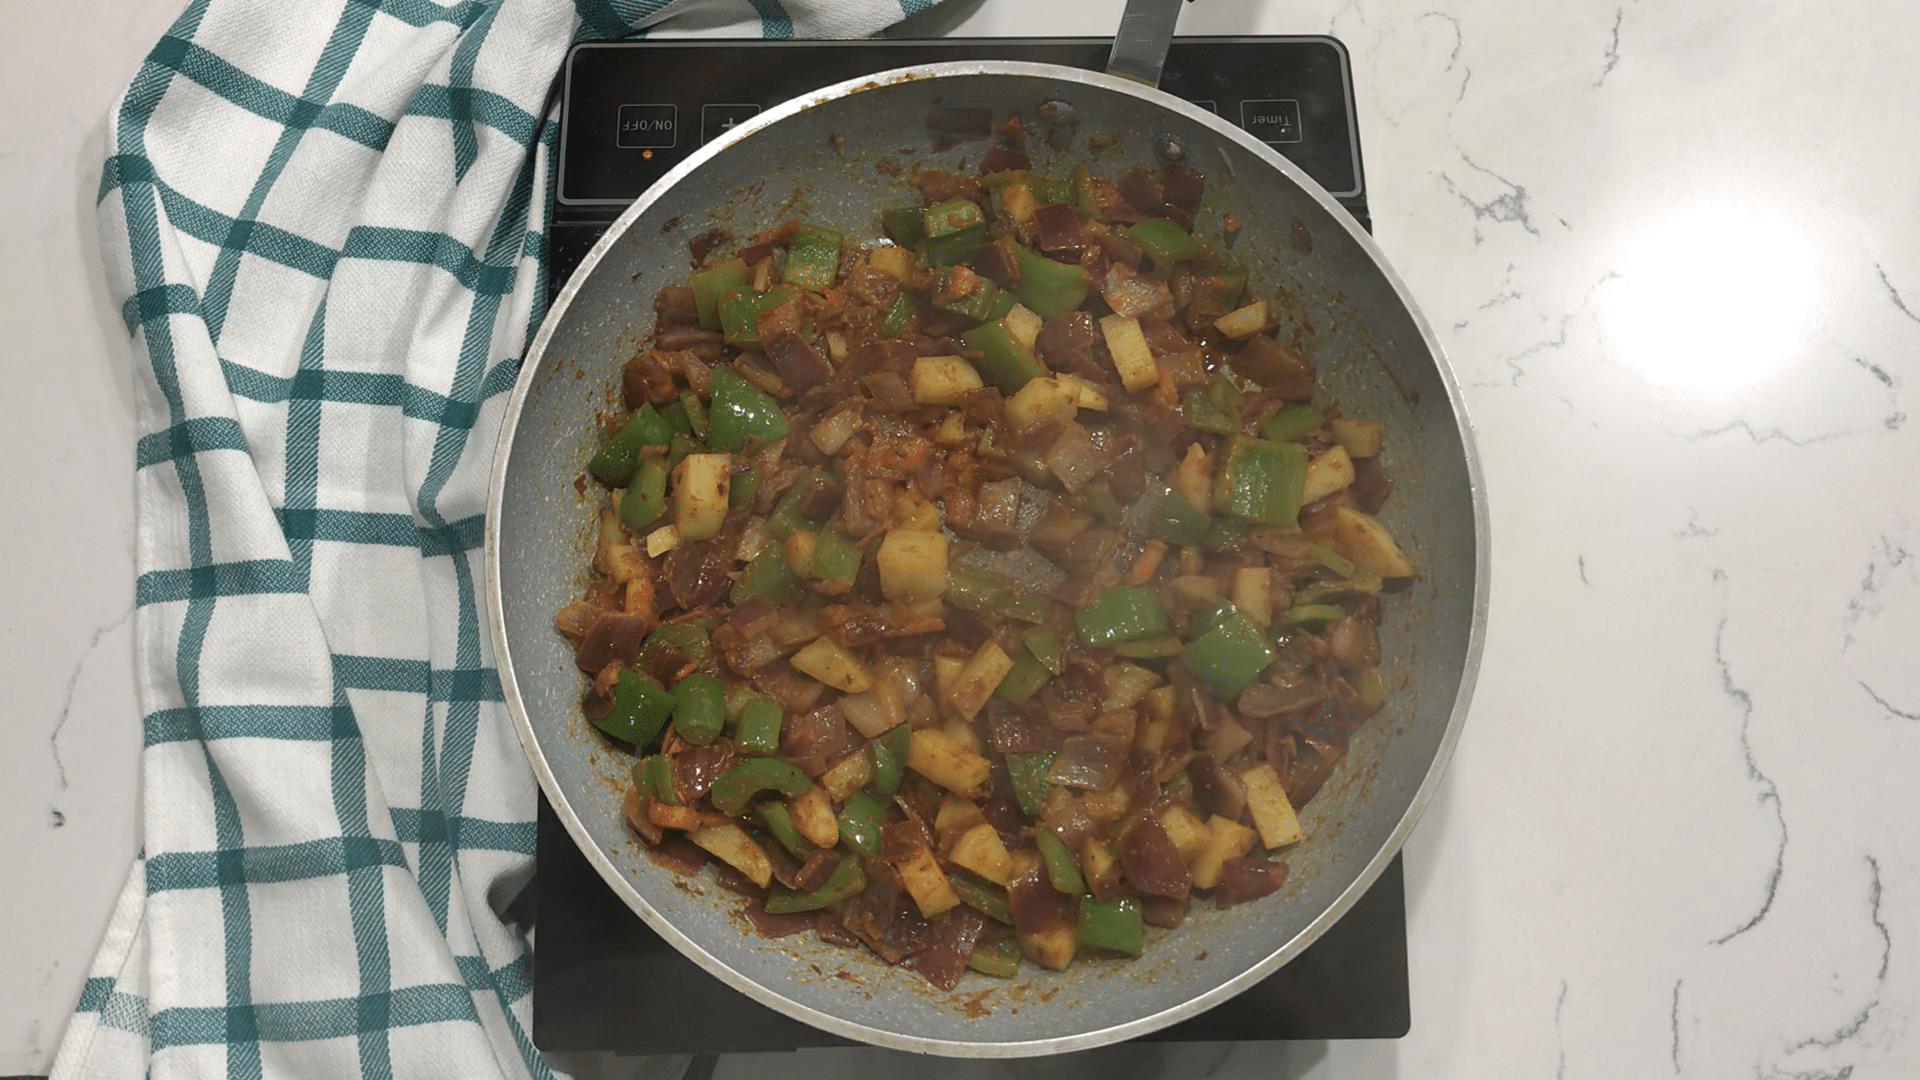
(648, 127)
(717, 120)
(1272, 121)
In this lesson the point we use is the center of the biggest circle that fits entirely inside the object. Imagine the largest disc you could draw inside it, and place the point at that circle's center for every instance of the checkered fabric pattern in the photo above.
(324, 221)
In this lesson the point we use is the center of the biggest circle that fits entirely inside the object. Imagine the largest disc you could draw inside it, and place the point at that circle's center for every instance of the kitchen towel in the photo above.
(324, 223)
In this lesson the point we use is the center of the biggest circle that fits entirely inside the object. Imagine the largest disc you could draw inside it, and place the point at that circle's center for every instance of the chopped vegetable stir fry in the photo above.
(793, 627)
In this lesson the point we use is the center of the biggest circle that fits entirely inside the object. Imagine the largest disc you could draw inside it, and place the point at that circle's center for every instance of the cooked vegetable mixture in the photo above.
(793, 626)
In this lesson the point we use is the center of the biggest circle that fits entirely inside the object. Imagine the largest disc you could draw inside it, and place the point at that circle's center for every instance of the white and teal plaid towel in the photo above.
(324, 221)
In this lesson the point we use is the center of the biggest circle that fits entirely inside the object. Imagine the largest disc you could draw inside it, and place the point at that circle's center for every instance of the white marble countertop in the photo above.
(1674, 253)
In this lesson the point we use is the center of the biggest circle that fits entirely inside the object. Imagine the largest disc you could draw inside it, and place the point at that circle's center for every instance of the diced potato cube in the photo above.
(837, 346)
(700, 486)
(848, 775)
(798, 552)
(953, 430)
(981, 850)
(1226, 839)
(912, 513)
(1361, 438)
(1024, 325)
(913, 566)
(946, 672)
(1228, 739)
(978, 680)
(1132, 359)
(942, 380)
(662, 540)
(1197, 590)
(928, 885)
(1193, 477)
(1363, 539)
(1328, 473)
(826, 661)
(1188, 833)
(964, 733)
(1153, 735)
(731, 844)
(1267, 803)
(1100, 867)
(1162, 702)
(895, 262)
(1253, 594)
(624, 564)
(948, 762)
(1244, 322)
(1019, 203)
(1041, 401)
(957, 814)
(813, 817)
(669, 816)
(1052, 948)
(1089, 395)
(1104, 806)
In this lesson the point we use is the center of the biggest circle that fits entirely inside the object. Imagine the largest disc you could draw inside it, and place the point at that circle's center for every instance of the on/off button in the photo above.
(648, 127)
(1275, 120)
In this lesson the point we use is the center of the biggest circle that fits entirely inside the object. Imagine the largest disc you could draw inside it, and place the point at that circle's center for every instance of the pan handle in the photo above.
(1140, 48)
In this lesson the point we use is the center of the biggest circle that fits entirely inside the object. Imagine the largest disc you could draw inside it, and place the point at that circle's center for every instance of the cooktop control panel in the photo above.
(632, 110)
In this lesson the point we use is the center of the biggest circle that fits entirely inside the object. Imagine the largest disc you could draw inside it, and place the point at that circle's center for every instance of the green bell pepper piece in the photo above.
(1023, 680)
(681, 446)
(1102, 504)
(957, 214)
(744, 487)
(1085, 202)
(741, 411)
(1049, 288)
(1062, 870)
(861, 821)
(1051, 189)
(1122, 613)
(846, 882)
(1333, 560)
(1293, 422)
(779, 821)
(689, 638)
(835, 558)
(898, 317)
(740, 312)
(1216, 407)
(737, 785)
(1227, 653)
(813, 259)
(1112, 924)
(646, 497)
(616, 461)
(989, 593)
(710, 285)
(890, 758)
(786, 518)
(1028, 772)
(759, 730)
(696, 414)
(640, 709)
(1006, 363)
(904, 225)
(1261, 481)
(675, 416)
(1310, 615)
(1165, 242)
(700, 708)
(653, 775)
(767, 575)
(1044, 644)
(1000, 960)
(980, 894)
(977, 305)
(955, 248)
(1154, 648)
(1178, 521)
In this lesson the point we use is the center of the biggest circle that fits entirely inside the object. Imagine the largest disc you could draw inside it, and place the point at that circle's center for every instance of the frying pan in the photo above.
(829, 157)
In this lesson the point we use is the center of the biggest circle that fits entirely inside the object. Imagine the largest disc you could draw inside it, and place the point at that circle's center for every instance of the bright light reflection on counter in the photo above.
(1710, 298)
